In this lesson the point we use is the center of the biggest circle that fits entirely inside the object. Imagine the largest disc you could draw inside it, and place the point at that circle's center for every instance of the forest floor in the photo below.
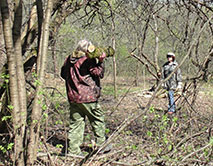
(153, 138)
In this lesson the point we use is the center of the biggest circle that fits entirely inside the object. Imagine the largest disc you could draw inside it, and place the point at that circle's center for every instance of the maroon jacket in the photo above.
(82, 76)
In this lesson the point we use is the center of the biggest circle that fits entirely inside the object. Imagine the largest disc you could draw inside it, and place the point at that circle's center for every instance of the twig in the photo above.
(41, 154)
(140, 60)
(82, 157)
(3, 50)
(122, 98)
(109, 154)
(113, 159)
(189, 103)
(56, 90)
(196, 151)
(184, 140)
(121, 163)
(48, 154)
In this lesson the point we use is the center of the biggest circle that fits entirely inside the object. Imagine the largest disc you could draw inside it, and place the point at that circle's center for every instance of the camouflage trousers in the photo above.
(78, 113)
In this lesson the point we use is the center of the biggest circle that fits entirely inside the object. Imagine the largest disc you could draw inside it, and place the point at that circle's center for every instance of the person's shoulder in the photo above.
(165, 64)
(77, 59)
(175, 63)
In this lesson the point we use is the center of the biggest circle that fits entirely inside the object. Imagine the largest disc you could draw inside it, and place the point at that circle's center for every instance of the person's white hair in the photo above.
(83, 45)
(170, 54)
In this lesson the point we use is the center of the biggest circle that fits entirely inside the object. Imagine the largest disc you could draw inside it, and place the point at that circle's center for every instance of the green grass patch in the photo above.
(109, 90)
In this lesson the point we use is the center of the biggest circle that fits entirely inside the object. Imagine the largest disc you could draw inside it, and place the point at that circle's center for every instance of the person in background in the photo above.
(174, 83)
(82, 77)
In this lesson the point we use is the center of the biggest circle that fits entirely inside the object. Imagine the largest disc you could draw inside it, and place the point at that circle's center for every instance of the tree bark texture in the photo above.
(36, 111)
(22, 113)
(3, 58)
(13, 85)
(114, 59)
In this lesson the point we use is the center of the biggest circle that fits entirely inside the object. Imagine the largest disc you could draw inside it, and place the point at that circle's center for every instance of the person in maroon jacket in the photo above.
(82, 76)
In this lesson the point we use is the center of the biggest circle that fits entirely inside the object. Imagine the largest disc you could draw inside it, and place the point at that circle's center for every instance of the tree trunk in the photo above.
(138, 64)
(156, 44)
(14, 89)
(22, 113)
(3, 58)
(36, 111)
(156, 52)
(55, 70)
(114, 59)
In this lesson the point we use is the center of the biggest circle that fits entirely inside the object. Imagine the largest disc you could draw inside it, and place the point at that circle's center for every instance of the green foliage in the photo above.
(107, 130)
(175, 119)
(211, 141)
(128, 132)
(10, 146)
(44, 107)
(59, 146)
(10, 107)
(90, 145)
(45, 115)
(149, 133)
(6, 148)
(58, 122)
(5, 77)
(145, 118)
(165, 139)
(206, 152)
(88, 137)
(3, 149)
(5, 118)
(134, 147)
(152, 109)
(34, 75)
(170, 147)
(35, 121)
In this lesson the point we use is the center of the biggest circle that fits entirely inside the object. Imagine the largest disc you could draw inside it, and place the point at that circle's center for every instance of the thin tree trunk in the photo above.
(138, 64)
(14, 105)
(136, 73)
(22, 112)
(36, 111)
(156, 45)
(40, 38)
(114, 59)
(31, 23)
(55, 70)
(156, 52)
(3, 60)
